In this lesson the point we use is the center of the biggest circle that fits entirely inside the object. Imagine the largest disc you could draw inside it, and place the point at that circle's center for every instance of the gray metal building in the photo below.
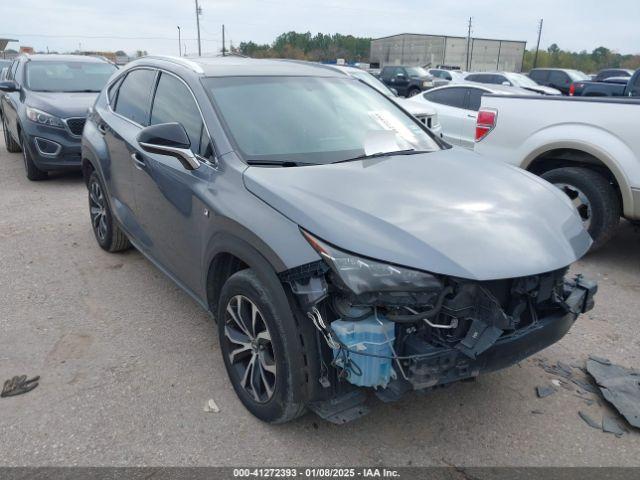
(478, 54)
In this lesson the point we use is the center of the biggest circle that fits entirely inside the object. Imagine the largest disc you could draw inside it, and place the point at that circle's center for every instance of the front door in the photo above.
(167, 201)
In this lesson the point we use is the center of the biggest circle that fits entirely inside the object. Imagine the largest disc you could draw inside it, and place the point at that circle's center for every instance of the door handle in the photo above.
(137, 160)
(471, 116)
(102, 129)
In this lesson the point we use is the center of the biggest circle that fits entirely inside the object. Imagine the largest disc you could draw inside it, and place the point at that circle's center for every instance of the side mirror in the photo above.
(8, 86)
(169, 139)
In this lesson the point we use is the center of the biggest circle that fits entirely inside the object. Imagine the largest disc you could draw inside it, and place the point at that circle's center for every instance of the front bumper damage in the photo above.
(480, 327)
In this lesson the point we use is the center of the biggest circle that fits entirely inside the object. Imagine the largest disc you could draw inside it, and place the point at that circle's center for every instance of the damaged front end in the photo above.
(395, 329)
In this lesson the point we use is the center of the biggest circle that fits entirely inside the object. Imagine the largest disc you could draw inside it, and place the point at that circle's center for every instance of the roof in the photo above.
(54, 57)
(232, 65)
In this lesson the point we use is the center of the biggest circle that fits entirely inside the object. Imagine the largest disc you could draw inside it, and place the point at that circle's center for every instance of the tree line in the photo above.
(588, 62)
(322, 47)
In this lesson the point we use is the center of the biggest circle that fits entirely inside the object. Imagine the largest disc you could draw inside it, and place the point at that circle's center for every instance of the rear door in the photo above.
(449, 103)
(560, 80)
(167, 204)
(130, 101)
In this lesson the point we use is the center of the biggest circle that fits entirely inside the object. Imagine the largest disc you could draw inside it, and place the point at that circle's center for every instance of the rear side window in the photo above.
(559, 78)
(538, 75)
(453, 97)
(173, 102)
(134, 96)
(475, 98)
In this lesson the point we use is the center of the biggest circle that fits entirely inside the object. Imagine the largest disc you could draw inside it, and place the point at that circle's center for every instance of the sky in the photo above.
(151, 25)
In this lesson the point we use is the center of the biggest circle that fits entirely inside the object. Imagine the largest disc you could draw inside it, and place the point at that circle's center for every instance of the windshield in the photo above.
(311, 120)
(373, 81)
(577, 75)
(520, 80)
(75, 76)
(417, 72)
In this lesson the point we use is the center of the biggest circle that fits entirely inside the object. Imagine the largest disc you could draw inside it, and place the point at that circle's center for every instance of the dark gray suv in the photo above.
(341, 247)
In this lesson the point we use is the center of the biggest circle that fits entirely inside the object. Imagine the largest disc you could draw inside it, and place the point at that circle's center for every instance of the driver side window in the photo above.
(173, 102)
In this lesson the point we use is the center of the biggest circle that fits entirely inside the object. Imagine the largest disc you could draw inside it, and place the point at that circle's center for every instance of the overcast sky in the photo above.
(151, 25)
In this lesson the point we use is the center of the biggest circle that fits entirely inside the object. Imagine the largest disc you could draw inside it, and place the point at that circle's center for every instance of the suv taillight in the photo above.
(572, 89)
(485, 123)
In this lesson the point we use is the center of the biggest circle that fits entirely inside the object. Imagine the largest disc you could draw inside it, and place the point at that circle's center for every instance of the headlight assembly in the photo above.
(43, 118)
(362, 275)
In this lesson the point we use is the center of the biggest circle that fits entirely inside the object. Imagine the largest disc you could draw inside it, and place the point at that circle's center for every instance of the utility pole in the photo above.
(535, 59)
(469, 43)
(223, 44)
(179, 43)
(198, 13)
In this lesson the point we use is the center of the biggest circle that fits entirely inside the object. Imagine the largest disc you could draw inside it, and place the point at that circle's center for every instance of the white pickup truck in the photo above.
(588, 147)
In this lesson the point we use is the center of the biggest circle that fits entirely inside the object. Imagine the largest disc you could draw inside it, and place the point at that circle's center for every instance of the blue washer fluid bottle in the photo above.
(372, 335)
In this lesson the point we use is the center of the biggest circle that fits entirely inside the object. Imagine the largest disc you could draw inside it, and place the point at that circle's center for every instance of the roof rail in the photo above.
(180, 61)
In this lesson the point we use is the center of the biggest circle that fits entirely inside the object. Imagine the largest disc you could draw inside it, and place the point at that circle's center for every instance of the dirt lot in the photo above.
(128, 361)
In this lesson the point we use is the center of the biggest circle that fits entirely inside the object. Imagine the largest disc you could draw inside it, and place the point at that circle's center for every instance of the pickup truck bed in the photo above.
(587, 146)
(611, 87)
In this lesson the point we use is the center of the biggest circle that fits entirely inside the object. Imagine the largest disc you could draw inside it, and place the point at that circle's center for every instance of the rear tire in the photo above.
(33, 172)
(413, 92)
(11, 145)
(105, 228)
(267, 389)
(596, 200)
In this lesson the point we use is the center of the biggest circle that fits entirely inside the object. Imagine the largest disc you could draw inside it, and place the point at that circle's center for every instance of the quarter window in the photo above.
(174, 102)
(453, 97)
(559, 78)
(134, 96)
(475, 98)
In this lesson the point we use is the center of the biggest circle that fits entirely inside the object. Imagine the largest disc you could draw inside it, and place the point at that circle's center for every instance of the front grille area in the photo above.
(76, 125)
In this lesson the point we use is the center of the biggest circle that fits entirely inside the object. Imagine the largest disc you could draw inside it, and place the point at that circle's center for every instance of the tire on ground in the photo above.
(605, 204)
(282, 406)
(115, 239)
(33, 172)
(11, 145)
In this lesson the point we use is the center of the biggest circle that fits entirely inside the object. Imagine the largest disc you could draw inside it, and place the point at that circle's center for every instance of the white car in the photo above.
(511, 79)
(457, 106)
(443, 77)
(427, 115)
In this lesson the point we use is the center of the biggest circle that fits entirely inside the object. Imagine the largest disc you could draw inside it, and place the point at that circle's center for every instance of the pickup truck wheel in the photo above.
(413, 92)
(33, 172)
(105, 228)
(11, 145)
(257, 340)
(593, 196)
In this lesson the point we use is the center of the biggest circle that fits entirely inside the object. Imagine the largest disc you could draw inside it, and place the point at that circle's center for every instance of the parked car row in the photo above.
(344, 249)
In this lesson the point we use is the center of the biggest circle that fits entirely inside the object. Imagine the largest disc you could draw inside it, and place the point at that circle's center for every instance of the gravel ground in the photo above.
(128, 362)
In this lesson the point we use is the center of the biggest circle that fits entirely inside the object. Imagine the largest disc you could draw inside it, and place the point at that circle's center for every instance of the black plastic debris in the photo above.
(543, 392)
(18, 385)
(589, 421)
(610, 425)
(620, 387)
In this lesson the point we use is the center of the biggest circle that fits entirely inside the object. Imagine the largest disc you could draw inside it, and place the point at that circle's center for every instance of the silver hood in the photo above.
(449, 212)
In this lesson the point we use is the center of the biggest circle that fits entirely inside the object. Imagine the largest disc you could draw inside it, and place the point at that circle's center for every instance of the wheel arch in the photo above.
(229, 253)
(572, 154)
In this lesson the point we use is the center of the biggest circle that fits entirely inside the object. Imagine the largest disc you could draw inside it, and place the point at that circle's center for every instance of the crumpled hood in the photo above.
(449, 212)
(61, 104)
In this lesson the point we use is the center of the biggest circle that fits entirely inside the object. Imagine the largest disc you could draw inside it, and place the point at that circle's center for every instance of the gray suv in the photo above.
(343, 249)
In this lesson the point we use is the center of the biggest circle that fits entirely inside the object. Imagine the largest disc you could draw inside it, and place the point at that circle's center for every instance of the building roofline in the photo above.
(450, 36)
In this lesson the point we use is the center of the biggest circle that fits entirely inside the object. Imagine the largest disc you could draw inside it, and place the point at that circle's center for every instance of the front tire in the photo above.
(11, 145)
(413, 92)
(105, 228)
(33, 172)
(593, 196)
(258, 340)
